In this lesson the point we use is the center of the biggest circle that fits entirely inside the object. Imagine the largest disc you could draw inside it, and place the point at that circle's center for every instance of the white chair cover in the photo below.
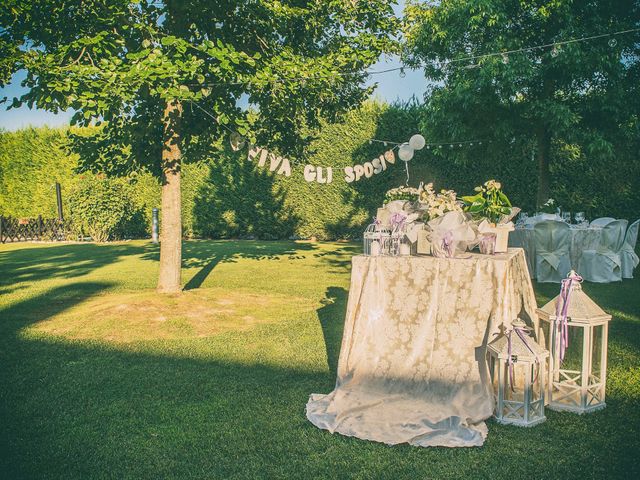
(602, 221)
(628, 254)
(603, 265)
(552, 241)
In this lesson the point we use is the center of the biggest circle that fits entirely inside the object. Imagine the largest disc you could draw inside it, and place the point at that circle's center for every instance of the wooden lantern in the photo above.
(576, 330)
(517, 365)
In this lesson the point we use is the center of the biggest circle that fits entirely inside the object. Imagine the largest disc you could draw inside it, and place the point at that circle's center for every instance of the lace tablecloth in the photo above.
(581, 239)
(412, 365)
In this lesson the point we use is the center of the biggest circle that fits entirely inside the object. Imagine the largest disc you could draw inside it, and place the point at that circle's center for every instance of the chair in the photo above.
(602, 221)
(628, 254)
(552, 240)
(604, 265)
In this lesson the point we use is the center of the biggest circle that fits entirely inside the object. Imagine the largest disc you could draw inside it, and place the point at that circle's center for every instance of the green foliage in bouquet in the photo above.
(489, 202)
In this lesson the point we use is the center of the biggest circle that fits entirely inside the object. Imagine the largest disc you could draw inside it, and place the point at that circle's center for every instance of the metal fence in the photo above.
(29, 229)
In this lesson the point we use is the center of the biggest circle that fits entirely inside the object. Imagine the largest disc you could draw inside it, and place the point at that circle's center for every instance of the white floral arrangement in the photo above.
(549, 206)
(402, 193)
(437, 204)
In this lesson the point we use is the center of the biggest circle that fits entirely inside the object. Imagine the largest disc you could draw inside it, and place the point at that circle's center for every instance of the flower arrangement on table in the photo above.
(492, 208)
(488, 203)
(437, 204)
(550, 206)
(427, 216)
(409, 194)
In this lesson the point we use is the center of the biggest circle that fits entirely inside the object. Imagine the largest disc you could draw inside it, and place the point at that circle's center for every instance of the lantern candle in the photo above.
(375, 248)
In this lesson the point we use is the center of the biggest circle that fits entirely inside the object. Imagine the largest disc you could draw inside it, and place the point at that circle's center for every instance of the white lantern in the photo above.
(517, 365)
(576, 330)
(405, 152)
(400, 243)
(417, 142)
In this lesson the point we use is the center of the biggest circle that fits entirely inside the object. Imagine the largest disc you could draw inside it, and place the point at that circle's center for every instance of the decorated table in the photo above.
(413, 362)
(582, 238)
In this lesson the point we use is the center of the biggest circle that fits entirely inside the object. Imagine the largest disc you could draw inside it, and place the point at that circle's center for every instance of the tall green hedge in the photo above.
(229, 196)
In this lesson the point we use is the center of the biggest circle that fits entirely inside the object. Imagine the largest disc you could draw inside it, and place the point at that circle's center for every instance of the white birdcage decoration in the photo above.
(518, 366)
(377, 240)
(576, 330)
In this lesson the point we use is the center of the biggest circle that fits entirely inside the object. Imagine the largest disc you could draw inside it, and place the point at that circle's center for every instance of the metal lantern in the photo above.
(517, 365)
(377, 240)
(400, 243)
(576, 330)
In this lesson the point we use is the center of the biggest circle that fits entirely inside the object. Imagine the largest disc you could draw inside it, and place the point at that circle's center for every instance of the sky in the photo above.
(390, 87)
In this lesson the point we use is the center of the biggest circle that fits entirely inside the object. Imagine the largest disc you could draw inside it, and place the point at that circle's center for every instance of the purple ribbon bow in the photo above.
(447, 243)
(397, 220)
(562, 307)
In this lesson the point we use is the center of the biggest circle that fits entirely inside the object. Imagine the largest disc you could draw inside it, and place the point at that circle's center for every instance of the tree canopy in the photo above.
(578, 94)
(120, 61)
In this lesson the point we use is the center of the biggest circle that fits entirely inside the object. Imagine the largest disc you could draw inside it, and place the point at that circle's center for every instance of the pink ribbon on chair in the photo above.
(562, 308)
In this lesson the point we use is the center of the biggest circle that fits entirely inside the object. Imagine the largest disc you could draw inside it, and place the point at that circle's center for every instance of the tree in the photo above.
(533, 98)
(149, 72)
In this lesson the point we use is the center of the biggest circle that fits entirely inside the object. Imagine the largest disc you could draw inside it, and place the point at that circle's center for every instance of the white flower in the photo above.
(493, 185)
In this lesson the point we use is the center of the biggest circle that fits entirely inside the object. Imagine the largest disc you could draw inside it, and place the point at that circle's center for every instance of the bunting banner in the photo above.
(317, 174)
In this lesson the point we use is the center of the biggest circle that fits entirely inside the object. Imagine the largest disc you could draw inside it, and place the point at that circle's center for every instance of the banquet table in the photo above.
(412, 364)
(582, 238)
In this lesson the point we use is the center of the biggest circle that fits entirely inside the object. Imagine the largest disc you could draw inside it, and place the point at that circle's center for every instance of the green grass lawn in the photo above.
(101, 378)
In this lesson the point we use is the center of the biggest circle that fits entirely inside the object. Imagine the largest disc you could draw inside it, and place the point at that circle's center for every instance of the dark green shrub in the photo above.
(103, 208)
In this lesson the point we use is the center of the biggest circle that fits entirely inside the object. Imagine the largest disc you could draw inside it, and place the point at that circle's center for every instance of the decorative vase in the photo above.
(502, 237)
(488, 244)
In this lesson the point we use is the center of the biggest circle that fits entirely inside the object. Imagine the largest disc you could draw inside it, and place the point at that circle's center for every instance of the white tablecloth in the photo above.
(581, 239)
(413, 365)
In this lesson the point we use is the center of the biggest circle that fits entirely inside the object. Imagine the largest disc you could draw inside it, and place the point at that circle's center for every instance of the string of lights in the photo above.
(394, 145)
(504, 54)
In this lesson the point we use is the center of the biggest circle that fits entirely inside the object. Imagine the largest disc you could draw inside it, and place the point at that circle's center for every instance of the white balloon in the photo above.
(417, 142)
(405, 152)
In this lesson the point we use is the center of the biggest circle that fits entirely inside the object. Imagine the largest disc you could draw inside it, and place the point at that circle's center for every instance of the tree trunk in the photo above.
(169, 280)
(543, 140)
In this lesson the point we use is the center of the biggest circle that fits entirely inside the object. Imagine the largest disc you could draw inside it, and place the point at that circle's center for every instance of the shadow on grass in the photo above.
(87, 410)
(331, 316)
(34, 263)
(71, 409)
(207, 254)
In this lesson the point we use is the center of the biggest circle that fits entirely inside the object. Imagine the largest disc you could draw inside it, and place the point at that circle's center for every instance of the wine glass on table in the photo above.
(566, 217)
(580, 218)
(522, 219)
